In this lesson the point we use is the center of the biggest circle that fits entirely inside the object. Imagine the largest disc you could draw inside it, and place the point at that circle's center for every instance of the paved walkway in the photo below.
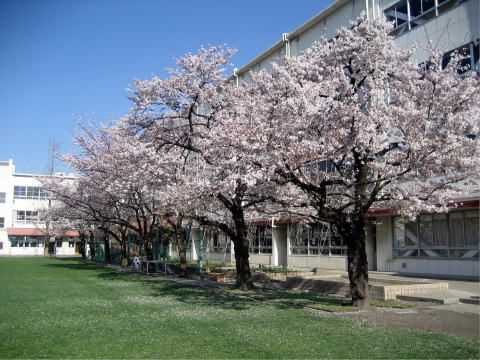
(459, 319)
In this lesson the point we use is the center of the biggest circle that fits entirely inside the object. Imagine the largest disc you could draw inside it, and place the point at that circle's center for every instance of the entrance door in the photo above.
(51, 247)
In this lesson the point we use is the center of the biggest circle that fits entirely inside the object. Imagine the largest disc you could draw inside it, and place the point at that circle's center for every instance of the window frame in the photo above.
(447, 249)
(312, 244)
(29, 193)
(439, 7)
(262, 240)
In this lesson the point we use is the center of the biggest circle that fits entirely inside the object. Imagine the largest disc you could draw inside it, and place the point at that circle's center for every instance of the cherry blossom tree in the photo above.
(180, 114)
(356, 124)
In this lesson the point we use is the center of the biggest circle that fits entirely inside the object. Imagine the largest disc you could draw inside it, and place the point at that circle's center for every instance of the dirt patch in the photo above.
(424, 318)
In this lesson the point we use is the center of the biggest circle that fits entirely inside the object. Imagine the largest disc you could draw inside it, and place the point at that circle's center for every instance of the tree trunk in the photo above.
(83, 248)
(91, 244)
(241, 246)
(124, 250)
(358, 264)
(244, 275)
(149, 254)
(108, 254)
(182, 253)
(45, 246)
(148, 250)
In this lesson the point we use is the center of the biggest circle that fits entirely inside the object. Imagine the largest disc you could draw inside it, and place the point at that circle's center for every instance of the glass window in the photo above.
(31, 216)
(471, 229)
(29, 192)
(406, 15)
(71, 244)
(20, 192)
(315, 239)
(2, 222)
(440, 230)
(456, 229)
(2, 197)
(411, 233)
(454, 235)
(299, 239)
(1, 245)
(261, 240)
(59, 243)
(399, 232)
(25, 216)
(426, 230)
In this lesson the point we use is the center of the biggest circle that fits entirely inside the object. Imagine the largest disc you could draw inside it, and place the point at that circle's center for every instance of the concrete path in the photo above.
(460, 319)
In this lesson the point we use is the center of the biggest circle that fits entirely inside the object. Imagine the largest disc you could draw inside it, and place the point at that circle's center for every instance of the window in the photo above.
(398, 14)
(453, 235)
(59, 243)
(408, 14)
(471, 57)
(19, 192)
(1, 245)
(14, 240)
(261, 240)
(316, 239)
(32, 241)
(2, 197)
(29, 192)
(25, 216)
(217, 242)
(2, 222)
(71, 244)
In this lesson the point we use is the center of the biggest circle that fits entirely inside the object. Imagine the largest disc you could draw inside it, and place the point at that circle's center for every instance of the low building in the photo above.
(22, 231)
(434, 244)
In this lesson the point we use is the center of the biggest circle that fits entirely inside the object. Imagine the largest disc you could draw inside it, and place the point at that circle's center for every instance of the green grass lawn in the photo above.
(57, 308)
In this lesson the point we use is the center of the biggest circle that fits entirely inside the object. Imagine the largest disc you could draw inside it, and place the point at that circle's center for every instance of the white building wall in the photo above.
(6, 185)
(8, 180)
(448, 31)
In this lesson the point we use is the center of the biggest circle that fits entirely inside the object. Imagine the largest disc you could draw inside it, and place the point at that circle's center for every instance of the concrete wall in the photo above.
(333, 262)
(456, 27)
(26, 251)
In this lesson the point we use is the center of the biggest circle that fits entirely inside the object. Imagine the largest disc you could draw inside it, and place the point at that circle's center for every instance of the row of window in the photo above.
(452, 235)
(26, 192)
(26, 216)
(22, 217)
(29, 192)
(218, 244)
(261, 240)
(315, 239)
(408, 14)
(35, 241)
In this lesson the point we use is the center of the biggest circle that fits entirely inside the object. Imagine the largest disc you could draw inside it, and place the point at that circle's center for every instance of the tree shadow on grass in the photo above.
(225, 296)
(209, 295)
(77, 265)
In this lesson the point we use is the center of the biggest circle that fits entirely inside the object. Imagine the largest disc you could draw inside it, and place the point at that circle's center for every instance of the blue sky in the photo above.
(62, 60)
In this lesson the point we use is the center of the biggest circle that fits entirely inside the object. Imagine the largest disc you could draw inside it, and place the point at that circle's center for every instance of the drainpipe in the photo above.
(408, 15)
(236, 76)
(287, 45)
